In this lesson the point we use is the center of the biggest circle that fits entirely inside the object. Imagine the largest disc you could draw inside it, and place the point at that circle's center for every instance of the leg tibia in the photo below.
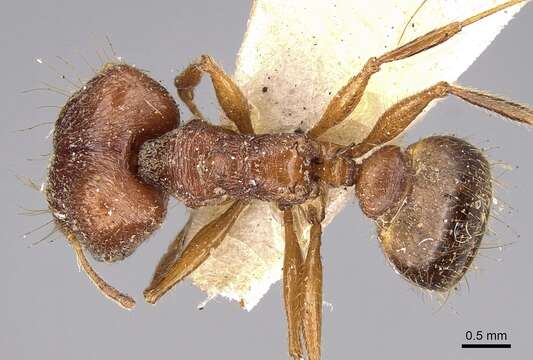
(312, 313)
(197, 251)
(399, 116)
(292, 284)
(229, 96)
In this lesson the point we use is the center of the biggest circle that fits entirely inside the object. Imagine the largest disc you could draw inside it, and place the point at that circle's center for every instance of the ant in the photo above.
(119, 153)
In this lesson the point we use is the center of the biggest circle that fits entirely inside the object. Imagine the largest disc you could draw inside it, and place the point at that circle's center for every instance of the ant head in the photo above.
(92, 188)
(431, 204)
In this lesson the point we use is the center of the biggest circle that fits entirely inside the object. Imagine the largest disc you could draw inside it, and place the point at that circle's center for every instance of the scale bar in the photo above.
(486, 346)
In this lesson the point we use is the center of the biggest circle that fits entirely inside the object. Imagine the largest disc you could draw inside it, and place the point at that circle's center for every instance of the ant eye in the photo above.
(92, 187)
(434, 233)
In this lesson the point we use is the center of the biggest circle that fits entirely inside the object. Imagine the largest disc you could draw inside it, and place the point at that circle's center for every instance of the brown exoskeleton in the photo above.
(119, 153)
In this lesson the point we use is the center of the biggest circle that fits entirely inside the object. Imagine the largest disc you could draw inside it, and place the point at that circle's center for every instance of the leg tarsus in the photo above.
(501, 106)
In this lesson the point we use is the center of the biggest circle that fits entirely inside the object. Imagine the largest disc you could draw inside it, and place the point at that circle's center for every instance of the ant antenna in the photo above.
(107, 290)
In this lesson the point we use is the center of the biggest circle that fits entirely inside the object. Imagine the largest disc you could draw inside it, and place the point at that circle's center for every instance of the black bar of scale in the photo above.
(485, 346)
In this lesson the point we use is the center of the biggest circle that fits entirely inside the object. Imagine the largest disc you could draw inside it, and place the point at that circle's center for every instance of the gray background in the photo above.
(50, 311)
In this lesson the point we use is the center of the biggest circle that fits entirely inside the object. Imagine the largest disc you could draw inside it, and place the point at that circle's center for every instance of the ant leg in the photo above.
(312, 292)
(292, 284)
(398, 117)
(185, 83)
(311, 276)
(197, 251)
(347, 98)
(230, 97)
(173, 252)
(107, 290)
